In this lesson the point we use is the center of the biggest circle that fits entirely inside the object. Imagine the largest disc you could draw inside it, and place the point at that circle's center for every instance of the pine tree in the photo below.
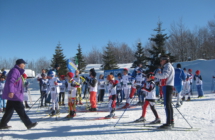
(109, 61)
(139, 55)
(79, 60)
(59, 58)
(158, 48)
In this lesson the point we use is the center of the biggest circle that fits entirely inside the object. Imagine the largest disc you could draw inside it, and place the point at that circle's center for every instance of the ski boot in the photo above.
(156, 121)
(141, 119)
(183, 98)
(126, 105)
(177, 105)
(110, 116)
(188, 99)
(53, 113)
(92, 109)
(80, 103)
(165, 126)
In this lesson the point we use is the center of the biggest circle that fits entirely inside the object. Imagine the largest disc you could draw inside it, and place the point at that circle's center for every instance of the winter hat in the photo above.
(198, 72)
(184, 69)
(20, 61)
(150, 75)
(4, 73)
(178, 65)
(43, 75)
(56, 66)
(110, 77)
(119, 75)
(190, 70)
(93, 74)
(70, 74)
(92, 70)
(24, 76)
(125, 69)
(164, 57)
(62, 77)
(51, 73)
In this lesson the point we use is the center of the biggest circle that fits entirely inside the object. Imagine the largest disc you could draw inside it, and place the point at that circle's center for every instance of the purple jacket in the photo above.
(14, 84)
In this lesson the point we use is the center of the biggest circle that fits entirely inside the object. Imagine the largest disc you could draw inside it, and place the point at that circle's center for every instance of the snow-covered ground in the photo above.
(198, 112)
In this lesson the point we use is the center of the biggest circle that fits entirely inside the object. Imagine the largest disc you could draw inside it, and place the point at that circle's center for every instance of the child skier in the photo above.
(54, 90)
(186, 86)
(119, 89)
(79, 79)
(44, 88)
(112, 95)
(199, 83)
(62, 90)
(149, 88)
(191, 80)
(138, 82)
(93, 90)
(179, 78)
(2, 101)
(126, 83)
(72, 89)
(24, 76)
(101, 85)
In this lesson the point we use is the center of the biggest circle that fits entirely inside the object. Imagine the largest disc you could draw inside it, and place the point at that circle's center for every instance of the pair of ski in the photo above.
(147, 126)
(49, 116)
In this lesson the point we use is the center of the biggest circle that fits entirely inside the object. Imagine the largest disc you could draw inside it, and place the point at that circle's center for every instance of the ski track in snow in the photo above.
(199, 113)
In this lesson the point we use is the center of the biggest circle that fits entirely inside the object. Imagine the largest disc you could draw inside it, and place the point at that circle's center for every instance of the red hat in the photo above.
(70, 74)
(62, 77)
(197, 72)
(190, 70)
(125, 69)
(24, 75)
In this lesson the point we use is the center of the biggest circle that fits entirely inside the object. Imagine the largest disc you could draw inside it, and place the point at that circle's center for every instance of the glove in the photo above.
(55, 83)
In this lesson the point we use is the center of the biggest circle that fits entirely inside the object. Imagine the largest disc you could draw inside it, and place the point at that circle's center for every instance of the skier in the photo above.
(199, 83)
(179, 78)
(167, 76)
(93, 90)
(54, 90)
(2, 101)
(149, 88)
(62, 90)
(138, 82)
(191, 80)
(72, 90)
(112, 92)
(101, 85)
(79, 79)
(186, 86)
(119, 91)
(126, 83)
(44, 88)
(26, 84)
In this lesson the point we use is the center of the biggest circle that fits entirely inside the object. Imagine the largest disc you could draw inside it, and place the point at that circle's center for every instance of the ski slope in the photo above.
(198, 112)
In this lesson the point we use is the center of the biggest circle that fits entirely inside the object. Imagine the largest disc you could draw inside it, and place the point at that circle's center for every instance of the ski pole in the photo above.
(182, 115)
(123, 112)
(33, 104)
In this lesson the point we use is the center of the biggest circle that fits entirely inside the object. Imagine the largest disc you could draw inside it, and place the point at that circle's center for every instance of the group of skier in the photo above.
(163, 81)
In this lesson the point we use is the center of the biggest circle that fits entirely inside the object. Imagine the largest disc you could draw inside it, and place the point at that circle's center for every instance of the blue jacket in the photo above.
(179, 77)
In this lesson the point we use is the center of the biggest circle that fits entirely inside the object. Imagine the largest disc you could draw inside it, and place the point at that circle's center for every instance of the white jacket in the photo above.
(167, 74)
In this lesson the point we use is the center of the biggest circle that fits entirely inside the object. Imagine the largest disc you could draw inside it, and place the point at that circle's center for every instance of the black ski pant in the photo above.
(62, 94)
(101, 95)
(19, 108)
(168, 91)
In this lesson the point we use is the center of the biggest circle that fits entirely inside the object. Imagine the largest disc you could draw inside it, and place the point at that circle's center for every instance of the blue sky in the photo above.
(31, 29)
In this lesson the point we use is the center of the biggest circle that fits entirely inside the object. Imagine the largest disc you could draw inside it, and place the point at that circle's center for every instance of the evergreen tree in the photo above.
(157, 48)
(109, 61)
(79, 60)
(59, 58)
(139, 55)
